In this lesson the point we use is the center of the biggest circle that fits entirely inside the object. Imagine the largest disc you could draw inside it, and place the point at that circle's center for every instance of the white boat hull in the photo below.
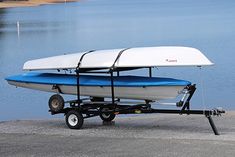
(163, 56)
(142, 93)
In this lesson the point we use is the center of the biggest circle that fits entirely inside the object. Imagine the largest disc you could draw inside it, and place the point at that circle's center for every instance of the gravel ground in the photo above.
(145, 135)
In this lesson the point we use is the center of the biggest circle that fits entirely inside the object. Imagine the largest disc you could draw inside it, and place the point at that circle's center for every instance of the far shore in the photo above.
(28, 3)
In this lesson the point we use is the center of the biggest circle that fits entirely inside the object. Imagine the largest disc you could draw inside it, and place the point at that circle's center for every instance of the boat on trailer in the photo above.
(97, 75)
(125, 87)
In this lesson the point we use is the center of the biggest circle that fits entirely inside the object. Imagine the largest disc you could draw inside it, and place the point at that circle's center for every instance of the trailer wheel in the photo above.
(56, 103)
(74, 119)
(107, 117)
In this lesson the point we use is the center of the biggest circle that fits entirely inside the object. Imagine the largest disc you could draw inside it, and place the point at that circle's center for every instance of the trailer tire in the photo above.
(56, 103)
(74, 119)
(107, 117)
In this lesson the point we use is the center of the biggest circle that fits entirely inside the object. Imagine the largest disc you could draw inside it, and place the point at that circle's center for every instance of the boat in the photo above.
(97, 75)
(127, 87)
(131, 87)
(125, 58)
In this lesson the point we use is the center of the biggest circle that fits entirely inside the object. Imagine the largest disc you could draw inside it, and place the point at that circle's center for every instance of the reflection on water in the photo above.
(2, 11)
(102, 24)
(2, 22)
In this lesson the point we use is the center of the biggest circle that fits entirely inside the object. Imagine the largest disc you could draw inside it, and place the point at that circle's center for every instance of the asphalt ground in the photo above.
(145, 135)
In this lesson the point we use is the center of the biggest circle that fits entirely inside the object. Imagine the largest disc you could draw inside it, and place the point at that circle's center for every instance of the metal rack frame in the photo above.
(92, 108)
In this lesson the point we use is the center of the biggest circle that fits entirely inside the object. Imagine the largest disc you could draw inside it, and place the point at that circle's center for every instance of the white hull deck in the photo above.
(155, 93)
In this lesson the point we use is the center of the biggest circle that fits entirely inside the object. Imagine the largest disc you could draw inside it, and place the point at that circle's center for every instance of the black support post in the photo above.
(192, 89)
(78, 76)
(150, 72)
(112, 87)
(212, 125)
(78, 87)
(118, 73)
(111, 70)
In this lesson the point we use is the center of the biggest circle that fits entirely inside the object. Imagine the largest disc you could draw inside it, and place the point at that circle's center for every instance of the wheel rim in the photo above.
(73, 120)
(55, 103)
(105, 115)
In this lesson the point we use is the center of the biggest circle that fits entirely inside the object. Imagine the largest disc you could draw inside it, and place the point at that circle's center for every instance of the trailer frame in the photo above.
(81, 108)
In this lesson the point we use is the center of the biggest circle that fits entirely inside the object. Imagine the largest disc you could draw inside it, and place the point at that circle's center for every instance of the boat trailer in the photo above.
(107, 110)
(80, 109)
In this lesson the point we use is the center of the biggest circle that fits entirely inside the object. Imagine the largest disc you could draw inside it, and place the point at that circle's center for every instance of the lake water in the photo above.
(50, 30)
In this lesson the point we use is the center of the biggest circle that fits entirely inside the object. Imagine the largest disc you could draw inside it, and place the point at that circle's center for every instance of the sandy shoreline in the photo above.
(147, 135)
(27, 3)
(155, 125)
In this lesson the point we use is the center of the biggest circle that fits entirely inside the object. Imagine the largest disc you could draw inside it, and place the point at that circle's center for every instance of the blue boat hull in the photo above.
(127, 87)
